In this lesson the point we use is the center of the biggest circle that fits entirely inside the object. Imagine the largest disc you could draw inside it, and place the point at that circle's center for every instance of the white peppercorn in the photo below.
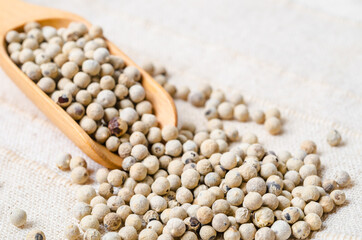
(207, 232)
(147, 234)
(129, 115)
(190, 178)
(72, 232)
(46, 84)
(134, 221)
(327, 204)
(247, 231)
(35, 234)
(283, 202)
(100, 211)
(137, 93)
(267, 170)
(88, 222)
(112, 221)
(176, 227)
(132, 72)
(79, 175)
(106, 98)
(293, 176)
(138, 171)
(220, 222)
(173, 148)
(111, 236)
(92, 234)
(85, 194)
(105, 190)
(253, 201)
(97, 200)
(139, 204)
(158, 204)
(197, 98)
(312, 159)
(91, 67)
(294, 164)
(18, 217)
(63, 161)
(182, 92)
(281, 229)
(241, 113)
(161, 186)
(184, 195)
(265, 233)
(175, 182)
(338, 197)
(329, 185)
(313, 207)
(256, 184)
(342, 178)
(140, 152)
(309, 146)
(300, 230)
(270, 200)
(257, 116)
(26, 55)
(290, 215)
(298, 202)
(273, 125)
(247, 171)
(128, 233)
(334, 138)
(228, 160)
(88, 125)
(76, 111)
(12, 36)
(314, 221)
(81, 210)
(249, 138)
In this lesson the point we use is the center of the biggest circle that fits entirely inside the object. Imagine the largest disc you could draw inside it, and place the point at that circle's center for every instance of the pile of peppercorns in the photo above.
(175, 183)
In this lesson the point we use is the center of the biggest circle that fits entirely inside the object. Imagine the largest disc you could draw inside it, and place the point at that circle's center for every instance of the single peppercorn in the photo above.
(35, 234)
(334, 138)
(18, 217)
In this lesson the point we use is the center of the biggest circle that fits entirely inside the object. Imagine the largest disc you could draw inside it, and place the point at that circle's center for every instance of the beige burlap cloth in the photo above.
(302, 56)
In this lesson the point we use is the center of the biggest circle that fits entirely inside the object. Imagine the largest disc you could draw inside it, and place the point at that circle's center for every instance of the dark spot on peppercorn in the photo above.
(329, 187)
(79, 111)
(287, 216)
(273, 185)
(194, 222)
(271, 153)
(114, 126)
(39, 236)
(63, 99)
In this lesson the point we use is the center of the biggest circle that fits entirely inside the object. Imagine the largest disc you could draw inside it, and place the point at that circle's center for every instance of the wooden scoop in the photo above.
(13, 15)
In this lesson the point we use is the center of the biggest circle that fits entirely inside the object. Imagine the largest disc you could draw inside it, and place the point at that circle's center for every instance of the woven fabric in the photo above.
(301, 56)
